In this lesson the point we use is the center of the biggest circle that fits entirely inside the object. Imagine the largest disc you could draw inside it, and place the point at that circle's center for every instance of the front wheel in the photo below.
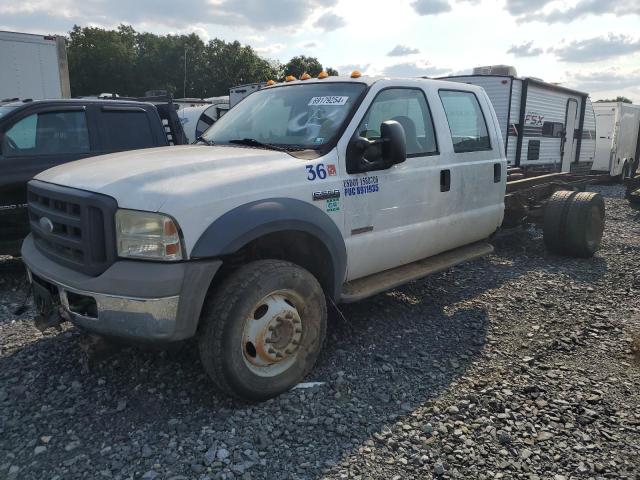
(262, 329)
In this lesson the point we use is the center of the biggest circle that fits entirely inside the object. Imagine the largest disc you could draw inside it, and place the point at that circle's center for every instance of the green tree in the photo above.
(101, 60)
(130, 63)
(230, 63)
(332, 72)
(618, 99)
(301, 64)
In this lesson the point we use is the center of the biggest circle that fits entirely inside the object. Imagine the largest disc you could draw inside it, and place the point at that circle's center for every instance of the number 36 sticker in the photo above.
(319, 171)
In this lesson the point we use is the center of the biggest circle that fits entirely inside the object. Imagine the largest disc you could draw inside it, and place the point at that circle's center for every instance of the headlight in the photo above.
(147, 235)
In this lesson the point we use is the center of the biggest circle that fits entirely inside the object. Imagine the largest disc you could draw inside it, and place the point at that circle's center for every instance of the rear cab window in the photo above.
(125, 129)
(466, 120)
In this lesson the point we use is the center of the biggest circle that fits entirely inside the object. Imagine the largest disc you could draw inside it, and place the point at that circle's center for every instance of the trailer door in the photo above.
(568, 147)
(605, 132)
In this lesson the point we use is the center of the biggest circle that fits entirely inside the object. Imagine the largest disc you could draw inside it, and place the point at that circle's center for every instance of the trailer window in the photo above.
(533, 150)
(552, 129)
(466, 121)
(408, 107)
(47, 133)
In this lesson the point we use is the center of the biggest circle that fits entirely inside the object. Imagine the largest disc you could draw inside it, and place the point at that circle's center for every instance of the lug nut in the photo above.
(278, 355)
(271, 350)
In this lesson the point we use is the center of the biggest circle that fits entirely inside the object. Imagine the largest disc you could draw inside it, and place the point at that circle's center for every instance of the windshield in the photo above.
(4, 110)
(294, 116)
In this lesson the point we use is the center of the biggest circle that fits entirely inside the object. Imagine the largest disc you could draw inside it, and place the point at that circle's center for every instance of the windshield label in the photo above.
(329, 100)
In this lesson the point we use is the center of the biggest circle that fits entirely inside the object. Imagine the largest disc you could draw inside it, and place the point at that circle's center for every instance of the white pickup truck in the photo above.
(307, 192)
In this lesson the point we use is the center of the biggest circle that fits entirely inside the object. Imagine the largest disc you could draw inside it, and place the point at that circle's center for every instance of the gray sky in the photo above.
(592, 45)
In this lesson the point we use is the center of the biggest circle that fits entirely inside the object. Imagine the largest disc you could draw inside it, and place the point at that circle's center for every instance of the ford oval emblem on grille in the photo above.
(46, 224)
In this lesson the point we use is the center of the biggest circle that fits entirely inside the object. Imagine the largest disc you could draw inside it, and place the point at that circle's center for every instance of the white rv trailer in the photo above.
(239, 92)
(33, 66)
(618, 142)
(544, 126)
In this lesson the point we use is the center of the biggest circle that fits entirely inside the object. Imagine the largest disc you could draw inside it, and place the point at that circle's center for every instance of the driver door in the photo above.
(386, 209)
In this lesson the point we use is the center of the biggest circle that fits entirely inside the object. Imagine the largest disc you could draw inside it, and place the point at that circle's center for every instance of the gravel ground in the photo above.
(520, 365)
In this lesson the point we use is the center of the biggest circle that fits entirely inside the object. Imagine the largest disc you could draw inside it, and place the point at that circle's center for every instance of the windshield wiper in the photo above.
(205, 141)
(252, 142)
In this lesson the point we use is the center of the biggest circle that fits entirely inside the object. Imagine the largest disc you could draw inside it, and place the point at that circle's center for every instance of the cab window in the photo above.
(126, 130)
(47, 133)
(408, 107)
(466, 121)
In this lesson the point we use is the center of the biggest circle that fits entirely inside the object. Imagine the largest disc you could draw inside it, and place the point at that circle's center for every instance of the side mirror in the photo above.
(382, 153)
(394, 146)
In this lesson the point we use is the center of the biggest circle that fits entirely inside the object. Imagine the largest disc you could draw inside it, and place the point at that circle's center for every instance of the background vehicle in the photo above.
(544, 126)
(239, 92)
(37, 135)
(33, 66)
(328, 189)
(618, 142)
(197, 119)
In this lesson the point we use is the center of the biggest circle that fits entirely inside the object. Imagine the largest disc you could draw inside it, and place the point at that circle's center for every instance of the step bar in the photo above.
(380, 282)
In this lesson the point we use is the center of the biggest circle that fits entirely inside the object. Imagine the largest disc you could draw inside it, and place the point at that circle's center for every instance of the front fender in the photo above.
(238, 227)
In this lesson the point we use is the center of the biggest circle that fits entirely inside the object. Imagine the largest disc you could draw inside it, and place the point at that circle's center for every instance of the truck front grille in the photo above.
(73, 227)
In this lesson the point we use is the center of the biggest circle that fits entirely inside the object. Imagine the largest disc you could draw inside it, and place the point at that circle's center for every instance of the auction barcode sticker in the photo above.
(328, 100)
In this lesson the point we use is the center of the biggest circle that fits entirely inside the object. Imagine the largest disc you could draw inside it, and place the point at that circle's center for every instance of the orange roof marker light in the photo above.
(289, 78)
(270, 82)
(323, 75)
(305, 76)
(356, 74)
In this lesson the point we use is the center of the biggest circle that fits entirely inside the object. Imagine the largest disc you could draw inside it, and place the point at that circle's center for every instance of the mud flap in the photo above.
(47, 308)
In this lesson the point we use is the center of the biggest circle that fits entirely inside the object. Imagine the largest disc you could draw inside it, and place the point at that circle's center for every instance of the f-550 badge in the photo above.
(326, 195)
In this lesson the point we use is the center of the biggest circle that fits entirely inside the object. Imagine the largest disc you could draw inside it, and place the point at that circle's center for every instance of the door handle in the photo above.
(445, 180)
(497, 173)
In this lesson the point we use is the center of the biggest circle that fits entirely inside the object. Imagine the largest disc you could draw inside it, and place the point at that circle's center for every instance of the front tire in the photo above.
(262, 329)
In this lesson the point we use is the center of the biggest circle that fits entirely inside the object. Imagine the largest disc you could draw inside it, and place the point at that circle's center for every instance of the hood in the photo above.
(144, 179)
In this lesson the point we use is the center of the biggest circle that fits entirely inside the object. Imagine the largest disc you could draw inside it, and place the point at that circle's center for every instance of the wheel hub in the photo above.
(272, 335)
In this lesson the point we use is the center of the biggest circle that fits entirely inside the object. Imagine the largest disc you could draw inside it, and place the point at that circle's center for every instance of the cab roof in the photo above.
(366, 79)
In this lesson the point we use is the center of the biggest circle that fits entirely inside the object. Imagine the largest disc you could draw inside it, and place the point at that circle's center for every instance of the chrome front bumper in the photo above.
(131, 317)
(138, 300)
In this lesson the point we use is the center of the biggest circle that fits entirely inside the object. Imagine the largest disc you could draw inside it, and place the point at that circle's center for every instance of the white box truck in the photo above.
(617, 145)
(33, 66)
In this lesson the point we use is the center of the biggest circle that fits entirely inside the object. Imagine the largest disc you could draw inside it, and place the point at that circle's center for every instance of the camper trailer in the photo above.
(544, 126)
(617, 144)
(239, 92)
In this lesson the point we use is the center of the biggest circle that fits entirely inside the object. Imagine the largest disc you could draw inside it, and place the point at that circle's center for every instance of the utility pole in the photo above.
(184, 87)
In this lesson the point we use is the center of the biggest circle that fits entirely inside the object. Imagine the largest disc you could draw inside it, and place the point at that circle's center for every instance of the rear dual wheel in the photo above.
(574, 223)
(262, 330)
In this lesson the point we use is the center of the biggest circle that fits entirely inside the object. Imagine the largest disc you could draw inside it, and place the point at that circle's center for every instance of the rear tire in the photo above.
(625, 173)
(555, 215)
(262, 330)
(585, 224)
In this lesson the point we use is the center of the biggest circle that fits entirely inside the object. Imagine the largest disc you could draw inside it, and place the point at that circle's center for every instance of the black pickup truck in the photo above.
(37, 135)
